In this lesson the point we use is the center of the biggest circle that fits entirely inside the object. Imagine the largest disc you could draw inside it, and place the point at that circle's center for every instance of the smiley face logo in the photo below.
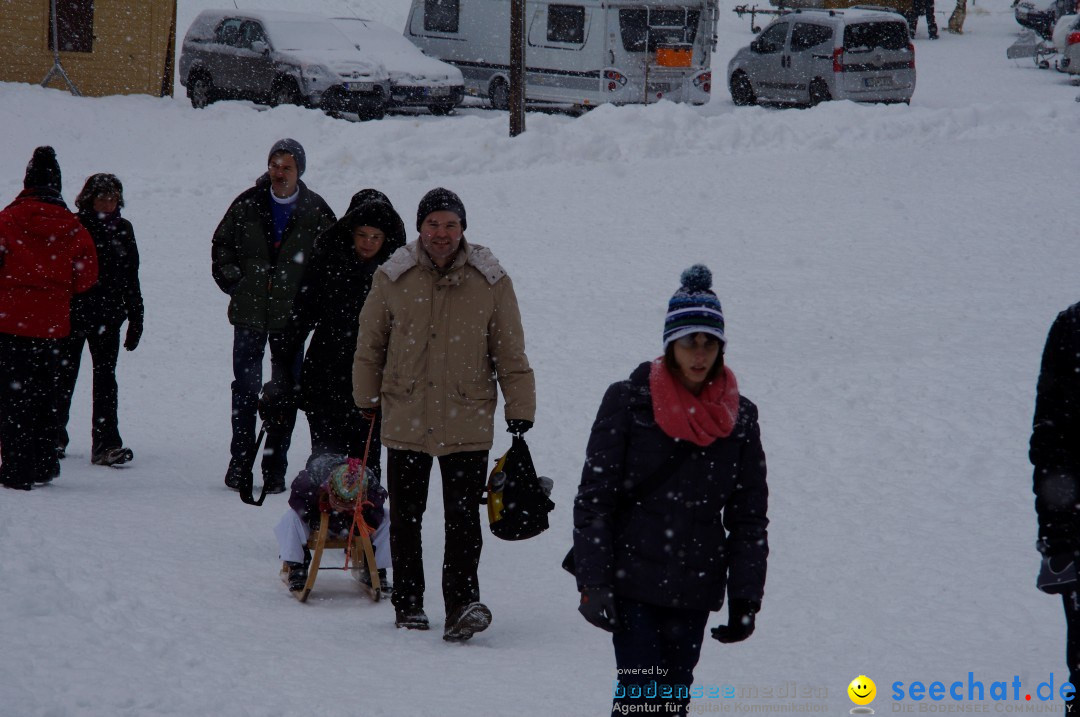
(862, 690)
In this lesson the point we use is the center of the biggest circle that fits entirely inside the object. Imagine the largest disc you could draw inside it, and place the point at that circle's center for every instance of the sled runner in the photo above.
(360, 555)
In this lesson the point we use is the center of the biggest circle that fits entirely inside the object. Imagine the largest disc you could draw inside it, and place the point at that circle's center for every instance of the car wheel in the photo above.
(373, 109)
(200, 91)
(284, 92)
(742, 92)
(441, 110)
(500, 94)
(819, 92)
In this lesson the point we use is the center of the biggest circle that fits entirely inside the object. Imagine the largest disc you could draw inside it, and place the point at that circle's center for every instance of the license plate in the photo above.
(358, 86)
(658, 87)
(440, 91)
(877, 82)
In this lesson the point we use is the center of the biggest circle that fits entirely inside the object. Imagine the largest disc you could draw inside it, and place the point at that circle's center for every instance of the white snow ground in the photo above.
(888, 276)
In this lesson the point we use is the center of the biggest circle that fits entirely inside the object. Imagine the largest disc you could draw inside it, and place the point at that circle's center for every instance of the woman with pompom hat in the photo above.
(670, 514)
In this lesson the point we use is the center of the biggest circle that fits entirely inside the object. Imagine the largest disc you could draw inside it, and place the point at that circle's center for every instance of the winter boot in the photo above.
(296, 576)
(385, 588)
(235, 475)
(118, 455)
(465, 621)
(274, 482)
(412, 618)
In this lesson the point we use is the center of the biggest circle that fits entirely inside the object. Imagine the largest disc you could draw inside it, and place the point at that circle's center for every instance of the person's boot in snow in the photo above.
(412, 618)
(118, 455)
(235, 475)
(465, 621)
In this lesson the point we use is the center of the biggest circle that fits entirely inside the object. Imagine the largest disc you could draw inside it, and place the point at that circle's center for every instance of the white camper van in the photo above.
(577, 52)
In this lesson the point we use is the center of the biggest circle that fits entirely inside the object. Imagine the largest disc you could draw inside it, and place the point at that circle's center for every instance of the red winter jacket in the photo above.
(46, 256)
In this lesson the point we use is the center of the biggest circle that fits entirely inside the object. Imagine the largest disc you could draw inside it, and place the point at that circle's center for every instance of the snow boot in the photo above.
(115, 456)
(465, 621)
(412, 618)
(296, 577)
(274, 482)
(235, 475)
(385, 588)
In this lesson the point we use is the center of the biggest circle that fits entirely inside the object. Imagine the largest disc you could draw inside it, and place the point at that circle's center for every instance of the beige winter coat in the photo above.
(430, 346)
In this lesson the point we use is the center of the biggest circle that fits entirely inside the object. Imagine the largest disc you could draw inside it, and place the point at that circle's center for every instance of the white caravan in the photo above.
(577, 52)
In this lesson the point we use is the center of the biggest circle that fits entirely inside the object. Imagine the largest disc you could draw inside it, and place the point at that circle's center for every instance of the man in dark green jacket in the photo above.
(259, 254)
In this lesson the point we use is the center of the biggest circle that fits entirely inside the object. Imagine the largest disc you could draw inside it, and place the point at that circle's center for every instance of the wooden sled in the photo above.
(361, 559)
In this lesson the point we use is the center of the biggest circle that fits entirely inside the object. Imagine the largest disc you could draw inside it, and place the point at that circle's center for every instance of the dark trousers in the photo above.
(1072, 645)
(345, 433)
(652, 637)
(922, 7)
(104, 349)
(463, 475)
(27, 418)
(286, 354)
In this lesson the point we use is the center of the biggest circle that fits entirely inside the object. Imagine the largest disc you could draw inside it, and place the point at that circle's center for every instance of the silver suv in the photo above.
(279, 58)
(809, 56)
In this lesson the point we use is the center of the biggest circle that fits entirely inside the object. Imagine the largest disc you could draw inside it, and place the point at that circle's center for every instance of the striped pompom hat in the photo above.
(694, 307)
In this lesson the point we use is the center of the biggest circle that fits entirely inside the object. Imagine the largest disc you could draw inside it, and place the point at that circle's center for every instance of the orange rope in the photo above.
(358, 522)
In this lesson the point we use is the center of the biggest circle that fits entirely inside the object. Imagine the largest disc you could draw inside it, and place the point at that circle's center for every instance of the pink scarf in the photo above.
(699, 419)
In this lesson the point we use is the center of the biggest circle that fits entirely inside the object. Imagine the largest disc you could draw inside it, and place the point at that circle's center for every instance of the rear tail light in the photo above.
(911, 62)
(1073, 38)
(838, 60)
(704, 81)
(614, 80)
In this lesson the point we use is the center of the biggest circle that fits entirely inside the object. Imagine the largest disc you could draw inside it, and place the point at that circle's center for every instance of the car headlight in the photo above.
(316, 74)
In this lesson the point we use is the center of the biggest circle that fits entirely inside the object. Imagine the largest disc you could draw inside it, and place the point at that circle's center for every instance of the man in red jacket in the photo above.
(46, 256)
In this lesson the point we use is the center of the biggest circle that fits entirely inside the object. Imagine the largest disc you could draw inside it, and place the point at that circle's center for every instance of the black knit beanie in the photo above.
(43, 172)
(295, 149)
(438, 200)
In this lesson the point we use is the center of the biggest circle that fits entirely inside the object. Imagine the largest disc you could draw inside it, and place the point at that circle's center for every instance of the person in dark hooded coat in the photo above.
(334, 289)
(98, 314)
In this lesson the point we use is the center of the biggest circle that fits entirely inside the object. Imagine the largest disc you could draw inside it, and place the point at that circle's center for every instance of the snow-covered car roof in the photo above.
(279, 25)
(851, 14)
(393, 50)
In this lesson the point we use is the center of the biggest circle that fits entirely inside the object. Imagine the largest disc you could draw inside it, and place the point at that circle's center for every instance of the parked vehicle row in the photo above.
(580, 53)
(810, 56)
(341, 66)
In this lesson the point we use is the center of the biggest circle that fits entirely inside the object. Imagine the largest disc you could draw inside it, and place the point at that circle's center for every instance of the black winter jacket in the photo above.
(117, 295)
(333, 291)
(260, 282)
(702, 530)
(1055, 437)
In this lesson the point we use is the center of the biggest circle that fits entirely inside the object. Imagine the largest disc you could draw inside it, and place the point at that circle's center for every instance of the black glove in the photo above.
(518, 426)
(598, 607)
(134, 333)
(368, 414)
(740, 621)
(135, 323)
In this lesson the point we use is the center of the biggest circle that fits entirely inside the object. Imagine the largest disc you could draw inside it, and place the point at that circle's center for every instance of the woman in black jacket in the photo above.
(98, 314)
(334, 289)
(671, 510)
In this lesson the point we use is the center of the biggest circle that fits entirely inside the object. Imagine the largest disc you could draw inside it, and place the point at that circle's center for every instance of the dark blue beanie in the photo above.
(694, 307)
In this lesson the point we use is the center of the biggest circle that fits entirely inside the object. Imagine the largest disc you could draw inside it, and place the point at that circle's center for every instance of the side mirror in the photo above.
(260, 47)
(755, 46)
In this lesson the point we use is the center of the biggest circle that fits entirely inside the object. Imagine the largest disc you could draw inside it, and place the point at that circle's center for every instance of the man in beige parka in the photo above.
(440, 326)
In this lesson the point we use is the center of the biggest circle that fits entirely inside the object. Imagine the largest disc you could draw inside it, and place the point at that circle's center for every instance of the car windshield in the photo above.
(655, 26)
(866, 36)
(307, 36)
